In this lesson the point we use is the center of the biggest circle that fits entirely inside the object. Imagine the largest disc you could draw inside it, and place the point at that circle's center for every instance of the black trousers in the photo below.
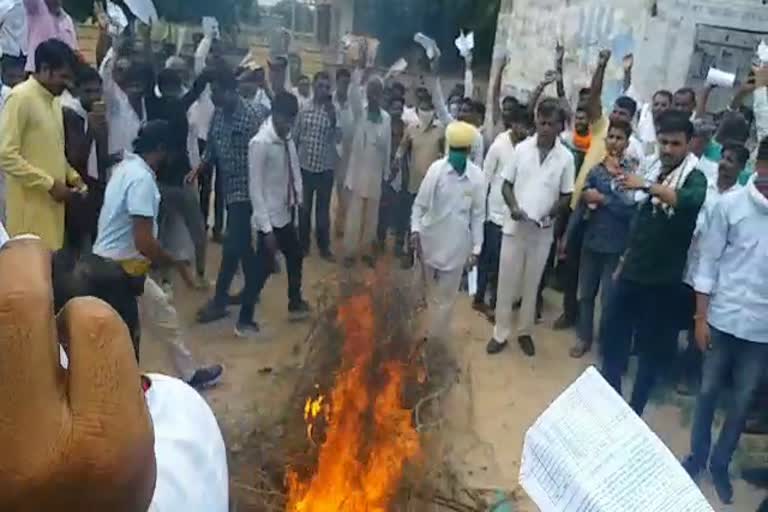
(288, 244)
(318, 187)
(210, 183)
(387, 212)
(488, 266)
(90, 275)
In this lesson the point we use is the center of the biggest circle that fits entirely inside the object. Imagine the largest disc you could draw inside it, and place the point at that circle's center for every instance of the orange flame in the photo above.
(369, 435)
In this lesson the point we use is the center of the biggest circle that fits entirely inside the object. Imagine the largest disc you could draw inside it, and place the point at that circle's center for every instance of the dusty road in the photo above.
(501, 397)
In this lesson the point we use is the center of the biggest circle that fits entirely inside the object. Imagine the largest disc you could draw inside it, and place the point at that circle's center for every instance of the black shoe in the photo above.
(211, 312)
(723, 487)
(328, 256)
(694, 469)
(206, 378)
(527, 346)
(494, 347)
(563, 323)
(298, 310)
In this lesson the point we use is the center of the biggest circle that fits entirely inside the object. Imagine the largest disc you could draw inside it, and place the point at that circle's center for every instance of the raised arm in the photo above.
(703, 100)
(559, 57)
(549, 78)
(469, 77)
(595, 107)
(760, 105)
(629, 62)
(356, 94)
(441, 109)
(201, 53)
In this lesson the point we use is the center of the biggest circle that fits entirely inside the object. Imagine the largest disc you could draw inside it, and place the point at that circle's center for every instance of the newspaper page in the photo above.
(589, 452)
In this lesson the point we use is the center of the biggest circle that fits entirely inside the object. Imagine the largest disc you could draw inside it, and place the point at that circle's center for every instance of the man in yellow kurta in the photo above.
(39, 179)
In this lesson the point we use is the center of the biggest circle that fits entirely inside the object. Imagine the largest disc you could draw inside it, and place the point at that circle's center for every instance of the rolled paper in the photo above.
(720, 78)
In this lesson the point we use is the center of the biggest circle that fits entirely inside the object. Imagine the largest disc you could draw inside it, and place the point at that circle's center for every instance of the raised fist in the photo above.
(604, 57)
(73, 440)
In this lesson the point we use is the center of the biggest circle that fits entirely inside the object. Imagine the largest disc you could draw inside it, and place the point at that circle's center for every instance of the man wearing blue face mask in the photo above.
(447, 224)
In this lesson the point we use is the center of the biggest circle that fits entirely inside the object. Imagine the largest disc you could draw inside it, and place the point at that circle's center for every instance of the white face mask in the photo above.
(425, 117)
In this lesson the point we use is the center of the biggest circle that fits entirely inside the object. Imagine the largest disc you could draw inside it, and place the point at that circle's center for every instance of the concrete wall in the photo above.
(660, 34)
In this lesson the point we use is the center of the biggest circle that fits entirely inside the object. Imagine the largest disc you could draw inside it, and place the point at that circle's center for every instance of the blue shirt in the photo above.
(607, 227)
(733, 265)
(131, 192)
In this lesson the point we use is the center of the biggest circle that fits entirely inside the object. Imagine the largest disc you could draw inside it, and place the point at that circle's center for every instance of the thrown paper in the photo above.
(429, 45)
(590, 452)
(144, 10)
(465, 43)
(762, 53)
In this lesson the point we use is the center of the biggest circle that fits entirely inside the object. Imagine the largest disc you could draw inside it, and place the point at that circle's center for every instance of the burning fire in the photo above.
(369, 436)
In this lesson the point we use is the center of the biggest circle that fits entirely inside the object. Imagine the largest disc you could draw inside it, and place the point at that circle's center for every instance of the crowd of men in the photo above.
(660, 208)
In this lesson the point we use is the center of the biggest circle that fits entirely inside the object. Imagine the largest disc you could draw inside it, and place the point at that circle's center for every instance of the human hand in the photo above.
(592, 196)
(603, 57)
(60, 192)
(416, 244)
(629, 181)
(519, 215)
(702, 334)
(192, 175)
(550, 77)
(628, 62)
(100, 14)
(76, 439)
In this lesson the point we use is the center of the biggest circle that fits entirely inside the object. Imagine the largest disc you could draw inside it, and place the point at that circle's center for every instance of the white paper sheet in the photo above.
(589, 452)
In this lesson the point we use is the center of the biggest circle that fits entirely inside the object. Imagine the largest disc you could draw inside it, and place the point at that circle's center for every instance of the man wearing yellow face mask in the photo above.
(447, 224)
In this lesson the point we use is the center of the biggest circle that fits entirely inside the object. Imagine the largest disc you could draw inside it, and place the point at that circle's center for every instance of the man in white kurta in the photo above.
(539, 178)
(368, 167)
(447, 224)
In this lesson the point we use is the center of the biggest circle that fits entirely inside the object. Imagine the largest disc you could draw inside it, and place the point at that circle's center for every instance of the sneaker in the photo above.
(298, 310)
(580, 349)
(206, 378)
(563, 323)
(722, 482)
(494, 347)
(526, 345)
(693, 468)
(249, 330)
(210, 313)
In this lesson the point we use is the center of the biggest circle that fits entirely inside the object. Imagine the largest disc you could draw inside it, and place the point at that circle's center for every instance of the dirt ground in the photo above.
(496, 399)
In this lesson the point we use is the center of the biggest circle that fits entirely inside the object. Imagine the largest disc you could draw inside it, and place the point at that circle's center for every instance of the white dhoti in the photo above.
(360, 225)
(521, 266)
(442, 291)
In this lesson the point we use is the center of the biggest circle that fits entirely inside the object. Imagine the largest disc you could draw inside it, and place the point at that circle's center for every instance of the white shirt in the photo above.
(345, 120)
(122, 121)
(448, 214)
(501, 151)
(538, 185)
(192, 472)
(304, 101)
(410, 116)
(733, 267)
(274, 179)
(13, 28)
(75, 106)
(702, 223)
(369, 160)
